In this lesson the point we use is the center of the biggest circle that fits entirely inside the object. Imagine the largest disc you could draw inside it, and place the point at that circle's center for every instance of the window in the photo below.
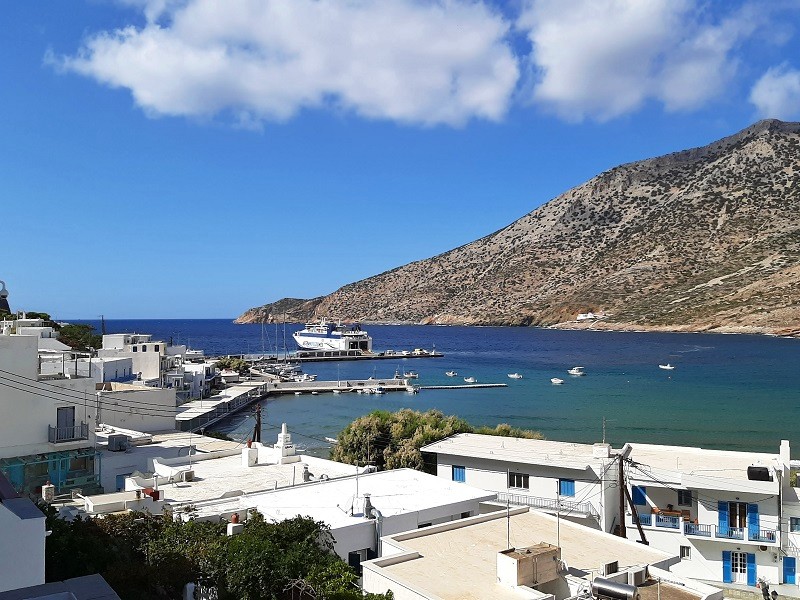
(144, 348)
(135, 348)
(465, 515)
(686, 552)
(518, 480)
(459, 474)
(566, 487)
(684, 498)
(794, 524)
(155, 348)
(639, 493)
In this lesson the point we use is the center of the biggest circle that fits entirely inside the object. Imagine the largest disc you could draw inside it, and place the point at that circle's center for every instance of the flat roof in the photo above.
(519, 450)
(215, 477)
(470, 546)
(88, 587)
(719, 464)
(339, 502)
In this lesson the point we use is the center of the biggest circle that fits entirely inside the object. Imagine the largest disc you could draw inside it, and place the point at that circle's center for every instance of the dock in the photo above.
(463, 387)
(304, 356)
(199, 414)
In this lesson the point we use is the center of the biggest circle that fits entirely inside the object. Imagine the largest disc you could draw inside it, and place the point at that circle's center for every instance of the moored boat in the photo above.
(327, 335)
(451, 373)
(556, 381)
(411, 375)
(514, 376)
(576, 371)
(667, 367)
(470, 380)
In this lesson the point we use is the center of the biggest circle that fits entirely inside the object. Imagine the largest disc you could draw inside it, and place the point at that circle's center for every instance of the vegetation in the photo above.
(393, 440)
(80, 337)
(144, 556)
(234, 364)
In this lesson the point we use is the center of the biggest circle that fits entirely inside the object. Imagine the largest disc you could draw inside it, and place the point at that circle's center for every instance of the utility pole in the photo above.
(257, 428)
(621, 484)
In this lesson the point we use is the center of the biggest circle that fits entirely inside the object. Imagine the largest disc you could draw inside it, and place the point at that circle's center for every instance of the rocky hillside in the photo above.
(708, 238)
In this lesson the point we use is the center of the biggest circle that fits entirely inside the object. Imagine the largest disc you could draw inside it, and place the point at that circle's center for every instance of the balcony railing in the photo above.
(646, 519)
(697, 529)
(551, 504)
(730, 533)
(668, 522)
(56, 435)
(754, 534)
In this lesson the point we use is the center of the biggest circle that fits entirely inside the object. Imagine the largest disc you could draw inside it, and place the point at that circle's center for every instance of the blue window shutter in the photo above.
(566, 487)
(751, 569)
(639, 493)
(459, 474)
(752, 520)
(727, 574)
(722, 509)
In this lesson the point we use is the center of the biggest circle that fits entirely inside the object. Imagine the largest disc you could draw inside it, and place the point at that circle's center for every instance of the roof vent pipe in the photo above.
(368, 508)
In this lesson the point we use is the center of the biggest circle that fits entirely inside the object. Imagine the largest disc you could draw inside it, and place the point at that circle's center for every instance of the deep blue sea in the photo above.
(737, 392)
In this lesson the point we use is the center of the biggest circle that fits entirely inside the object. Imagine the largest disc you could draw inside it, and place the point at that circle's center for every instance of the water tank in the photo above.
(118, 442)
(605, 588)
(756, 473)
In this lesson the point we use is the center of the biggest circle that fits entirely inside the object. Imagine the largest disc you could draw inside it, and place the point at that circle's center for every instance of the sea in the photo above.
(734, 392)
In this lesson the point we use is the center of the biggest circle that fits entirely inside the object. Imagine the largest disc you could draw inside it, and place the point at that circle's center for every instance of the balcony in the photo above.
(565, 507)
(697, 529)
(57, 435)
(730, 533)
(755, 534)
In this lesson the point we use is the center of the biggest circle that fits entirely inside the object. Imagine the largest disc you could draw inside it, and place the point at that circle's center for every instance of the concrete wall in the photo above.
(21, 551)
(139, 408)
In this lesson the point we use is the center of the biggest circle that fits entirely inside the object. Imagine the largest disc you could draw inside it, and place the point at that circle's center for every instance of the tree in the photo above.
(79, 337)
(393, 440)
(235, 364)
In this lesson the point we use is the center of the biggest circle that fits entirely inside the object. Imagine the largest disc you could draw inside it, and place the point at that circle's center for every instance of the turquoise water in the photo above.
(726, 391)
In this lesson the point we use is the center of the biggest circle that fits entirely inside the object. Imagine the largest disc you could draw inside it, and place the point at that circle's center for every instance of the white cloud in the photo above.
(402, 60)
(777, 93)
(600, 59)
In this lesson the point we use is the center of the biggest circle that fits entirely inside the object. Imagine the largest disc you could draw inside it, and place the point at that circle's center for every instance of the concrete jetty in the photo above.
(463, 387)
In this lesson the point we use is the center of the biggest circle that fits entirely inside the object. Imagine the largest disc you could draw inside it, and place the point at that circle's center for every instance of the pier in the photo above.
(304, 356)
(465, 386)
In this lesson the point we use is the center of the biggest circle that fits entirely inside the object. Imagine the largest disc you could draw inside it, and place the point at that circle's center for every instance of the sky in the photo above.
(195, 158)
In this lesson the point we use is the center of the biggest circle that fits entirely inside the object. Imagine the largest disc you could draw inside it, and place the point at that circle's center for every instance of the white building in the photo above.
(151, 359)
(46, 422)
(720, 510)
(136, 407)
(22, 539)
(732, 516)
(519, 554)
(551, 476)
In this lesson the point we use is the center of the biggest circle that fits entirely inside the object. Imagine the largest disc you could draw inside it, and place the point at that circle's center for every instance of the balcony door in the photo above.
(737, 514)
(65, 423)
(739, 567)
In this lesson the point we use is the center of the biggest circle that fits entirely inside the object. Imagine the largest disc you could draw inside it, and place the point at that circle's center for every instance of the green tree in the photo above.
(79, 337)
(393, 440)
(235, 364)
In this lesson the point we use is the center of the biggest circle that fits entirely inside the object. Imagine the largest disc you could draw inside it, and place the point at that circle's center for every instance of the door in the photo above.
(65, 423)
(789, 569)
(739, 567)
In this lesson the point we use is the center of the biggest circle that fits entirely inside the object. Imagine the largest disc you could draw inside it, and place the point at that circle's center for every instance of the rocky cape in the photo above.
(706, 239)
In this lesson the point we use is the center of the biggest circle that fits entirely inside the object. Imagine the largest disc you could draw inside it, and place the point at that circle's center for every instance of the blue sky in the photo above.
(194, 158)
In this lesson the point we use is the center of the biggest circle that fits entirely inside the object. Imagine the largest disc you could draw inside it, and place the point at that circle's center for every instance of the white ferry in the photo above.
(327, 335)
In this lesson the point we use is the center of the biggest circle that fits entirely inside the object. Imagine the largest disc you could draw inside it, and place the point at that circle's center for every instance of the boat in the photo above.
(315, 393)
(411, 375)
(451, 373)
(470, 380)
(327, 335)
(412, 389)
(667, 367)
(515, 376)
(331, 440)
(556, 381)
(379, 390)
(337, 391)
(297, 393)
(576, 371)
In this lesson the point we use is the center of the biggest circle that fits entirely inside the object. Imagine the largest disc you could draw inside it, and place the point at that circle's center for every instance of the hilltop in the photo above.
(698, 240)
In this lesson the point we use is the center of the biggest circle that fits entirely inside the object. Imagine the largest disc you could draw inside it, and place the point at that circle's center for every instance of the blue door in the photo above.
(727, 572)
(751, 569)
(722, 523)
(789, 569)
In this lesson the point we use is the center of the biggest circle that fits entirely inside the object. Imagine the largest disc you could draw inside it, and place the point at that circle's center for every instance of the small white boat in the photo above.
(331, 440)
(556, 381)
(470, 380)
(411, 389)
(315, 393)
(379, 390)
(667, 367)
(297, 393)
(411, 375)
(576, 371)
(451, 373)
(515, 376)
(359, 391)
(337, 391)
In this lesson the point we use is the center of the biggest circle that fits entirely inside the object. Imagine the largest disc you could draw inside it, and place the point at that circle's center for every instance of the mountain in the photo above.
(704, 239)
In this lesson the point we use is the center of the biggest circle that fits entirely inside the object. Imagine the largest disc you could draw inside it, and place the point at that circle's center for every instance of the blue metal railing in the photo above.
(697, 529)
(730, 533)
(646, 519)
(754, 534)
(668, 522)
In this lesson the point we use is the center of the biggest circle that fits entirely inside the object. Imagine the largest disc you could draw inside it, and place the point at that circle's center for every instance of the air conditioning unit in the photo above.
(118, 442)
(637, 577)
(610, 568)
(187, 475)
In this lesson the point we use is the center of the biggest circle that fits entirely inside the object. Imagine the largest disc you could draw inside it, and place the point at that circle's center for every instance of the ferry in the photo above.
(327, 335)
